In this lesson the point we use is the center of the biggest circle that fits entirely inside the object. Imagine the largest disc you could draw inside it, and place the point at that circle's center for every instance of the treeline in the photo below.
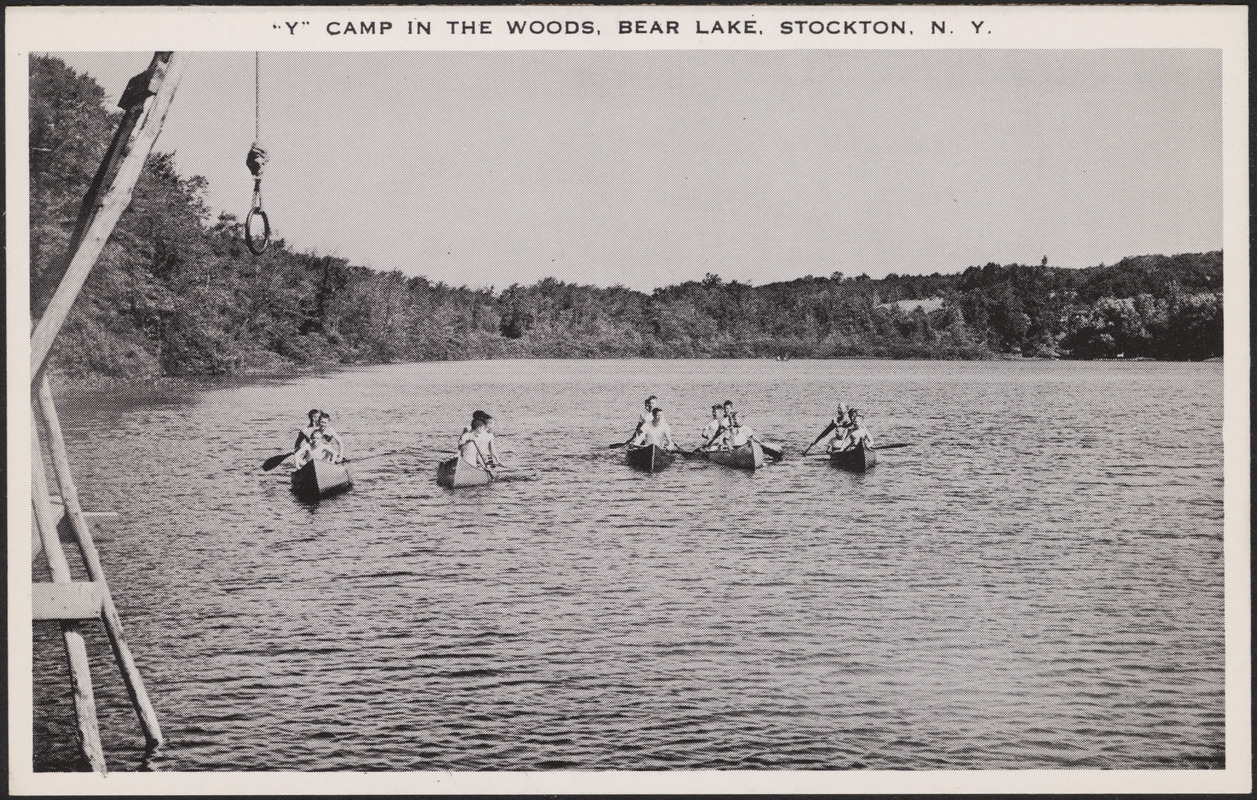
(176, 292)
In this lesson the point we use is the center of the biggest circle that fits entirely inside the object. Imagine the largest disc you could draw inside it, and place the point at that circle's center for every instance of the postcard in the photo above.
(686, 399)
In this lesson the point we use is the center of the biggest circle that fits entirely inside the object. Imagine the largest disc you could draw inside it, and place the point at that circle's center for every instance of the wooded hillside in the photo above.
(176, 293)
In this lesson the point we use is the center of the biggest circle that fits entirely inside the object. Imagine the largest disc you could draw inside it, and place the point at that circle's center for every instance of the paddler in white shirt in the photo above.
(482, 436)
(720, 439)
(838, 426)
(643, 418)
(713, 427)
(853, 435)
(739, 435)
(476, 445)
(327, 443)
(656, 432)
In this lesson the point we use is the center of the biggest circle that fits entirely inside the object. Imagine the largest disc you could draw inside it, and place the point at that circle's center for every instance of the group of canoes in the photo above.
(728, 440)
(319, 452)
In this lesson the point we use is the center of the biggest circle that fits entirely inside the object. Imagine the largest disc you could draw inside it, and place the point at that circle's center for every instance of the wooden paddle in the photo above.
(774, 451)
(880, 447)
(368, 458)
(824, 433)
(617, 445)
(274, 461)
(499, 465)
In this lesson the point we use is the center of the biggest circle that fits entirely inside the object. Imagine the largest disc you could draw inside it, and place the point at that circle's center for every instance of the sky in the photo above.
(648, 168)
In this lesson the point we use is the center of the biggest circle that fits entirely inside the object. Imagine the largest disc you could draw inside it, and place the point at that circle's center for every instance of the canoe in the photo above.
(745, 457)
(650, 458)
(319, 478)
(455, 473)
(857, 459)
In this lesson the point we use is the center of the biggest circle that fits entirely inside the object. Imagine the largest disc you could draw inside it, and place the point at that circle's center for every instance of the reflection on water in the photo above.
(1036, 582)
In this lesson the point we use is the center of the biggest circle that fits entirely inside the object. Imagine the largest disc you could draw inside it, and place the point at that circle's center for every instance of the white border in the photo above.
(244, 29)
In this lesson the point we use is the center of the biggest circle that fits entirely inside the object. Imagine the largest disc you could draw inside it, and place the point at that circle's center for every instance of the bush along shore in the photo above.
(177, 293)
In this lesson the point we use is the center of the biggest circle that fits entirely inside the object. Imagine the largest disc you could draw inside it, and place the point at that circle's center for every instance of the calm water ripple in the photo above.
(1035, 583)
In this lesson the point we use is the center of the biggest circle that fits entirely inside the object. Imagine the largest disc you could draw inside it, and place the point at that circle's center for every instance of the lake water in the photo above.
(1035, 583)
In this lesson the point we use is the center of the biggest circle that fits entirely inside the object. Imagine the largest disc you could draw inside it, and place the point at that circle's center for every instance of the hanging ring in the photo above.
(257, 246)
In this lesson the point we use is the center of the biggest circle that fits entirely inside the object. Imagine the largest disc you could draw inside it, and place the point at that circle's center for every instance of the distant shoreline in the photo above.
(89, 384)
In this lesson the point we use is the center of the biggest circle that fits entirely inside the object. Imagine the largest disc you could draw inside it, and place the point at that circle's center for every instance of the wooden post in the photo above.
(82, 533)
(71, 632)
(147, 103)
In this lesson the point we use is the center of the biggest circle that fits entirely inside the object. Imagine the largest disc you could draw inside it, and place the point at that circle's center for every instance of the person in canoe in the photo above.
(328, 444)
(306, 442)
(643, 418)
(322, 443)
(853, 435)
(484, 438)
(306, 434)
(656, 432)
(714, 427)
(838, 426)
(720, 439)
(476, 445)
(305, 438)
(739, 435)
(475, 415)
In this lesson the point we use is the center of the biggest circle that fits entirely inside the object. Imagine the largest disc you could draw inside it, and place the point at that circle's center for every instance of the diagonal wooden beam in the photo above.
(71, 632)
(87, 547)
(146, 101)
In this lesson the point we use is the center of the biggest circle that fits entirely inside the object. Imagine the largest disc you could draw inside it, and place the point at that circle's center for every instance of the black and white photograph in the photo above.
(701, 399)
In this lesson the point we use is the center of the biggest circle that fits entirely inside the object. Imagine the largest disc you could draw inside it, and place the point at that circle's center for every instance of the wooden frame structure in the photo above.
(145, 103)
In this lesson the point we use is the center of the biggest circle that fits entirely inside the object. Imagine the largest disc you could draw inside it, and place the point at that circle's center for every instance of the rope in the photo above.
(255, 161)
